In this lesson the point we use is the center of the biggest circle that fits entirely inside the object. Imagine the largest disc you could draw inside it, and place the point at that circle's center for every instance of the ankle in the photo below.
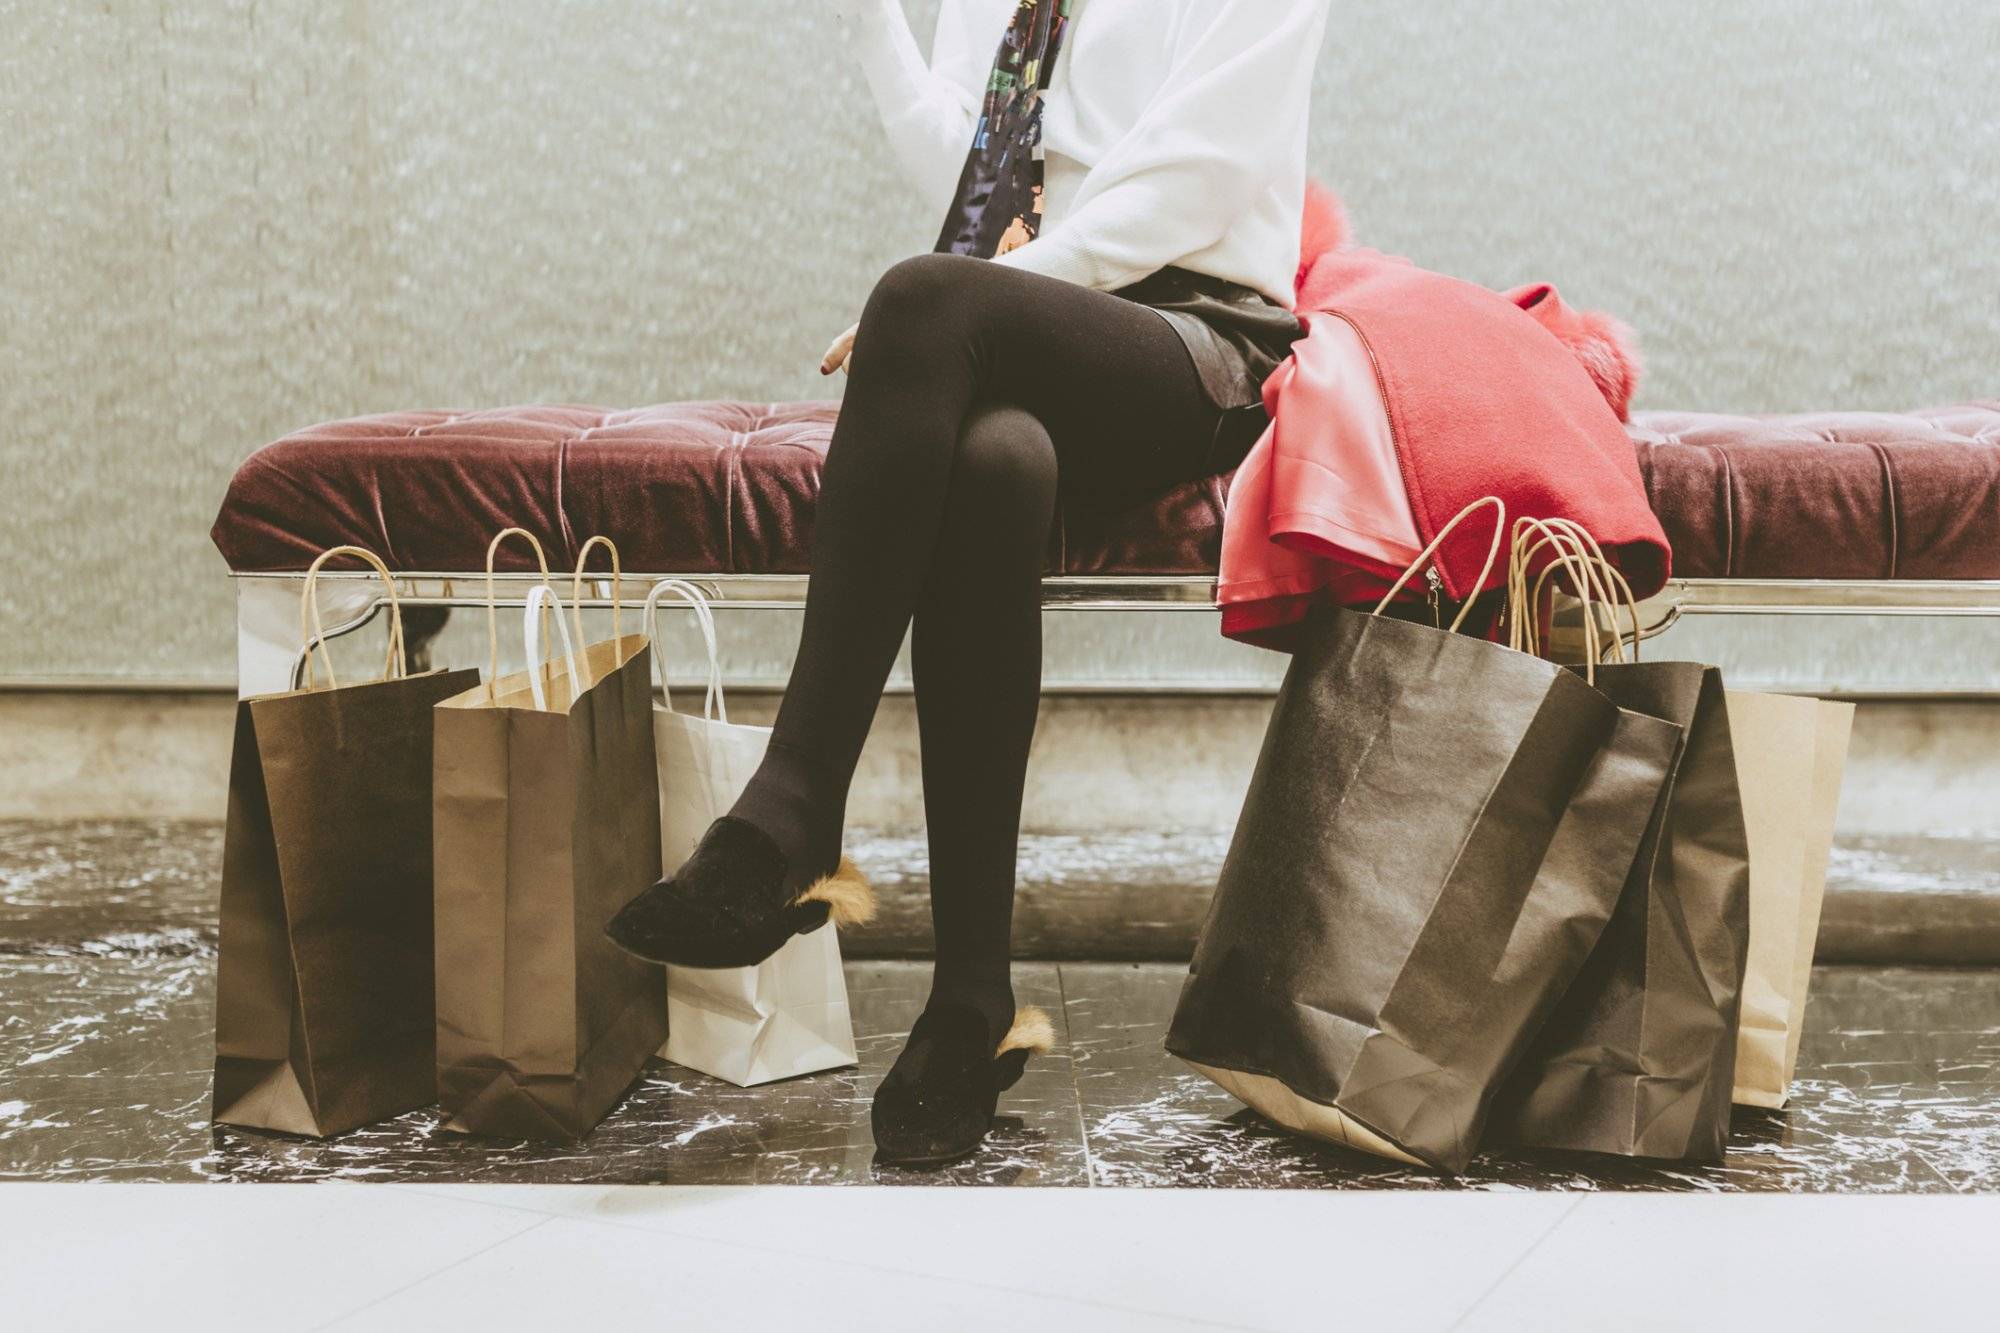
(801, 807)
(993, 999)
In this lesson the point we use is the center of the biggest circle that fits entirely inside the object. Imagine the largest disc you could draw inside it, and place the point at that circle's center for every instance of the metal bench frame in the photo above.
(269, 657)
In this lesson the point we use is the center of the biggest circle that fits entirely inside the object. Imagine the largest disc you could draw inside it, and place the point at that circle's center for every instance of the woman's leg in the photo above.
(1123, 410)
(976, 651)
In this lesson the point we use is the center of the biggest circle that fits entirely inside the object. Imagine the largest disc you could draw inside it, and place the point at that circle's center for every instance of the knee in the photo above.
(923, 291)
(1005, 461)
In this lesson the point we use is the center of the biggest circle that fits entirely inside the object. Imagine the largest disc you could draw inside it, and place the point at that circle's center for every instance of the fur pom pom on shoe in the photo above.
(849, 897)
(1031, 1032)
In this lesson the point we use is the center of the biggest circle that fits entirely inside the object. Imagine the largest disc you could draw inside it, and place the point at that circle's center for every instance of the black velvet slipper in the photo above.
(727, 905)
(937, 1103)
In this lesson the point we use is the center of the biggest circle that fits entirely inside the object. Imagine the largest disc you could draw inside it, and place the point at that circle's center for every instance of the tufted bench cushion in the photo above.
(724, 487)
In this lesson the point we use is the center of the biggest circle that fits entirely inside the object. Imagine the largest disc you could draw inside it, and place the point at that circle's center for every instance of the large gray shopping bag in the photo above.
(1437, 830)
(1637, 1059)
(1791, 753)
(323, 1015)
(788, 1015)
(547, 822)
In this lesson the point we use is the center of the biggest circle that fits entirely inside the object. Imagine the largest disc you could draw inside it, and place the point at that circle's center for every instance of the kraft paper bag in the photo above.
(547, 822)
(1418, 874)
(1791, 753)
(788, 1015)
(1638, 1059)
(323, 1018)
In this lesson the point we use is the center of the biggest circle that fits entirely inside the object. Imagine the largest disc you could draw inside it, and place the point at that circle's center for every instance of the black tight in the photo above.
(976, 391)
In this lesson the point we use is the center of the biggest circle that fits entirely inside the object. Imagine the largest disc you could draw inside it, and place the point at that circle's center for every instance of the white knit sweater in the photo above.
(1174, 131)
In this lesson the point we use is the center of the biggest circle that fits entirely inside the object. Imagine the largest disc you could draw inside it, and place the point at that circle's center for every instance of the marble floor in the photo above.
(106, 968)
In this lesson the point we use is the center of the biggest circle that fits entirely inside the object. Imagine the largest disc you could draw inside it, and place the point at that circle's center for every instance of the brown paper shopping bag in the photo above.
(547, 822)
(323, 988)
(1638, 1059)
(1790, 753)
(1436, 832)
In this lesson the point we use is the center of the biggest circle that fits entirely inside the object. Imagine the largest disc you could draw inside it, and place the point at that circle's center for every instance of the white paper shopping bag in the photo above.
(788, 1015)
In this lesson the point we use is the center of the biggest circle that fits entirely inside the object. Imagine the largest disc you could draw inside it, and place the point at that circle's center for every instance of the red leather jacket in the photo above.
(1486, 393)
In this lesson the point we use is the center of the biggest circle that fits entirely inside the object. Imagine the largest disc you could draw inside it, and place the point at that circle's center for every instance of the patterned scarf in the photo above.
(998, 206)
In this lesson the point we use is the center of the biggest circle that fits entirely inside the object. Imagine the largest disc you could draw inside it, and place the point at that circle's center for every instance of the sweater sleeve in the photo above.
(927, 110)
(1223, 126)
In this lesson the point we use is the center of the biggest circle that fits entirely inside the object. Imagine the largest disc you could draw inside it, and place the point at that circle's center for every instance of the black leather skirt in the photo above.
(1234, 336)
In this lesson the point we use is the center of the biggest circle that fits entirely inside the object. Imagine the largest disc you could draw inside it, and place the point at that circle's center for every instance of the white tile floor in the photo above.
(577, 1259)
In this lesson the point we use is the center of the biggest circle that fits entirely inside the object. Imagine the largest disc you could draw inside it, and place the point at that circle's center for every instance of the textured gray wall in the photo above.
(226, 218)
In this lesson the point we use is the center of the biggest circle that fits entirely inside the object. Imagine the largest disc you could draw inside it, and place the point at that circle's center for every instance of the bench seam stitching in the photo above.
(1889, 487)
(1728, 511)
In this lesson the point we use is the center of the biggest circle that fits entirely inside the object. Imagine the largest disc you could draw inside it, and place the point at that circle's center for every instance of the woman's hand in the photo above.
(838, 355)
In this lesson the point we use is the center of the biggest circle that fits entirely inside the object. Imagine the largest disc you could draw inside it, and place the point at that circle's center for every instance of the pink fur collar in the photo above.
(1603, 344)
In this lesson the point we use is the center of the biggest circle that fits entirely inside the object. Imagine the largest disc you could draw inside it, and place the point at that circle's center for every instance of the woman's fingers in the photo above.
(837, 355)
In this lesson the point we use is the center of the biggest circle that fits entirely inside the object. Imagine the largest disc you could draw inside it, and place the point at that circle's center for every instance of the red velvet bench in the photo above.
(1878, 513)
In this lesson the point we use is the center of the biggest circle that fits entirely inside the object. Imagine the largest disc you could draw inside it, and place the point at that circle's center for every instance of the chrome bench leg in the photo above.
(268, 656)
(267, 635)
